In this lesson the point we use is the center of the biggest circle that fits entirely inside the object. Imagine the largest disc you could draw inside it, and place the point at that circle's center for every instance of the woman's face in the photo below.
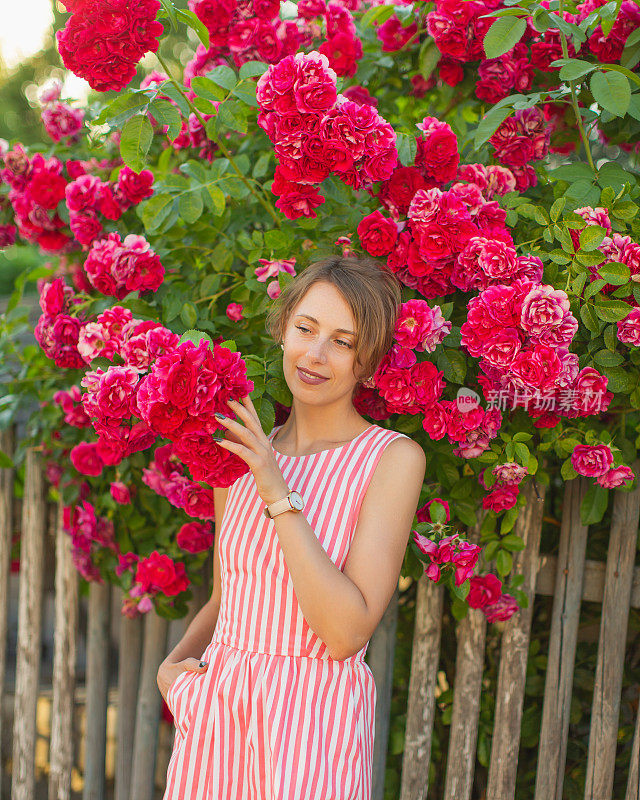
(320, 338)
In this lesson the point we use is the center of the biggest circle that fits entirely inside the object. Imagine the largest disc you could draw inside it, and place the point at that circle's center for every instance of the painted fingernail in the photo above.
(202, 664)
(218, 415)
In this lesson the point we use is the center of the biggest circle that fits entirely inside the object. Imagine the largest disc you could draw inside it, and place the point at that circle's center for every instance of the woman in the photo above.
(308, 551)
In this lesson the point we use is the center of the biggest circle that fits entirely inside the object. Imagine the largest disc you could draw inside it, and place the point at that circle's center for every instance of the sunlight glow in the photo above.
(24, 29)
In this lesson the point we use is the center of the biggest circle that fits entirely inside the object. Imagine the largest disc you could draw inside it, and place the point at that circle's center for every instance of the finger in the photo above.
(248, 415)
(241, 451)
(244, 434)
(193, 665)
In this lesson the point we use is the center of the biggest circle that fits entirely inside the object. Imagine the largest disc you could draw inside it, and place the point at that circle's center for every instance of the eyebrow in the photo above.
(337, 330)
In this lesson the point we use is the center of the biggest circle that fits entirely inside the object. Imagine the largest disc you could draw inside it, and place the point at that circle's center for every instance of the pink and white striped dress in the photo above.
(274, 717)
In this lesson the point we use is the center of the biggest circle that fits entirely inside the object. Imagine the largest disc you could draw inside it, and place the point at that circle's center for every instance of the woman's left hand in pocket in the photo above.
(250, 443)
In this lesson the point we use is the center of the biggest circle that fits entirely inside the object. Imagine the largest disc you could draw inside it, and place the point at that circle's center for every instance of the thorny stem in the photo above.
(215, 296)
(574, 96)
(269, 208)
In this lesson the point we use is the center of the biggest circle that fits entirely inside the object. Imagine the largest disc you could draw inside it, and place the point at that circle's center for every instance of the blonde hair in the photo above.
(372, 292)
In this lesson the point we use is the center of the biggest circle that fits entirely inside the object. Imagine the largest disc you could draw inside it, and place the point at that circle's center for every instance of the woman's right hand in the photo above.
(169, 671)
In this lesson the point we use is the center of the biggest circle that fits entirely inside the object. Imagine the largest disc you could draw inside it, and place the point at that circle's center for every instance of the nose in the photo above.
(317, 351)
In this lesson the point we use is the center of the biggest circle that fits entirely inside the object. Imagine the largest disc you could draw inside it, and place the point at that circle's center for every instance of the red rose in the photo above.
(484, 590)
(377, 234)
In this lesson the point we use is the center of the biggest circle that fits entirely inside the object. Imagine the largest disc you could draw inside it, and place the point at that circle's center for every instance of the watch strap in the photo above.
(279, 507)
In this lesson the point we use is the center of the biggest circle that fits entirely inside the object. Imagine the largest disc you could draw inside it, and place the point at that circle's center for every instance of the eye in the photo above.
(301, 328)
(346, 344)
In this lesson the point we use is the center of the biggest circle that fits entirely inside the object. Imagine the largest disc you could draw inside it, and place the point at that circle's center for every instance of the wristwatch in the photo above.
(292, 502)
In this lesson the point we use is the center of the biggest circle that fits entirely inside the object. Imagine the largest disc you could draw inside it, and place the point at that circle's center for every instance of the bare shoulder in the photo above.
(404, 454)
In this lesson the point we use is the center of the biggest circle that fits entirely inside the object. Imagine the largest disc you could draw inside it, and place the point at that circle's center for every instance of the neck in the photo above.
(307, 426)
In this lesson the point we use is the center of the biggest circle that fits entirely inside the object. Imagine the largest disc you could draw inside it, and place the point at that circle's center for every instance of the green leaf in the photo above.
(453, 364)
(592, 236)
(567, 471)
(230, 115)
(428, 58)
(189, 314)
(573, 68)
(504, 562)
(612, 310)
(588, 316)
(190, 206)
(122, 108)
(504, 34)
(192, 21)
(581, 193)
(512, 542)
(611, 91)
(155, 210)
(407, 148)
(252, 69)
(218, 201)
(246, 91)
(5, 461)
(206, 88)
(489, 124)
(573, 172)
(167, 114)
(135, 142)
(223, 76)
(594, 505)
(605, 358)
(620, 380)
(194, 336)
(266, 414)
(615, 273)
(377, 14)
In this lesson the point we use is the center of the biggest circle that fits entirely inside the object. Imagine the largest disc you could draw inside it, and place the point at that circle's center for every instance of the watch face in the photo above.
(296, 501)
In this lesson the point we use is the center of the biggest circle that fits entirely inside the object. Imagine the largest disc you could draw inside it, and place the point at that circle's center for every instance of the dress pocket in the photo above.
(171, 691)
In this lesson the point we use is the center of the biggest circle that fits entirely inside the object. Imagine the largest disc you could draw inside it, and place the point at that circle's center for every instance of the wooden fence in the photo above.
(140, 766)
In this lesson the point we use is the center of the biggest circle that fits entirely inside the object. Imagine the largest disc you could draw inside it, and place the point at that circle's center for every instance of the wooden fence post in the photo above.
(513, 656)
(29, 628)
(633, 781)
(97, 684)
(381, 653)
(605, 710)
(7, 438)
(64, 667)
(148, 710)
(465, 713)
(565, 618)
(128, 677)
(425, 657)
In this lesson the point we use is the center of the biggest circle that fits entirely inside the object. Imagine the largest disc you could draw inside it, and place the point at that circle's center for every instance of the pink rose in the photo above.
(195, 537)
(616, 476)
(484, 590)
(377, 234)
(86, 459)
(120, 492)
(424, 515)
(591, 461)
(502, 610)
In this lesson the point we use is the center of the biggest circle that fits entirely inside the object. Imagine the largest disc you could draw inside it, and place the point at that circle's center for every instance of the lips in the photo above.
(313, 374)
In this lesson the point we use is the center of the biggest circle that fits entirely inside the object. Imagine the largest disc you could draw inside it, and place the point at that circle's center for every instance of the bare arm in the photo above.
(344, 607)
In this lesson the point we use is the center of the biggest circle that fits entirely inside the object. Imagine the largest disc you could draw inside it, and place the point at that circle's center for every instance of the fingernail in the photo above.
(202, 664)
(218, 415)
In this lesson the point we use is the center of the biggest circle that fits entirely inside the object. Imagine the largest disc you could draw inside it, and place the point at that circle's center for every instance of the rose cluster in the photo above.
(315, 133)
(116, 267)
(248, 30)
(448, 554)
(103, 40)
(87, 196)
(470, 430)
(57, 331)
(62, 122)
(596, 461)
(420, 327)
(342, 47)
(71, 404)
(88, 533)
(485, 594)
(116, 332)
(178, 400)
(522, 138)
(165, 476)
(504, 486)
(37, 187)
(110, 402)
(522, 332)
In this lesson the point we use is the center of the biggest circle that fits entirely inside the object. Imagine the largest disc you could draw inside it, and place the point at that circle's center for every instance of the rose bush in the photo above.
(200, 194)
